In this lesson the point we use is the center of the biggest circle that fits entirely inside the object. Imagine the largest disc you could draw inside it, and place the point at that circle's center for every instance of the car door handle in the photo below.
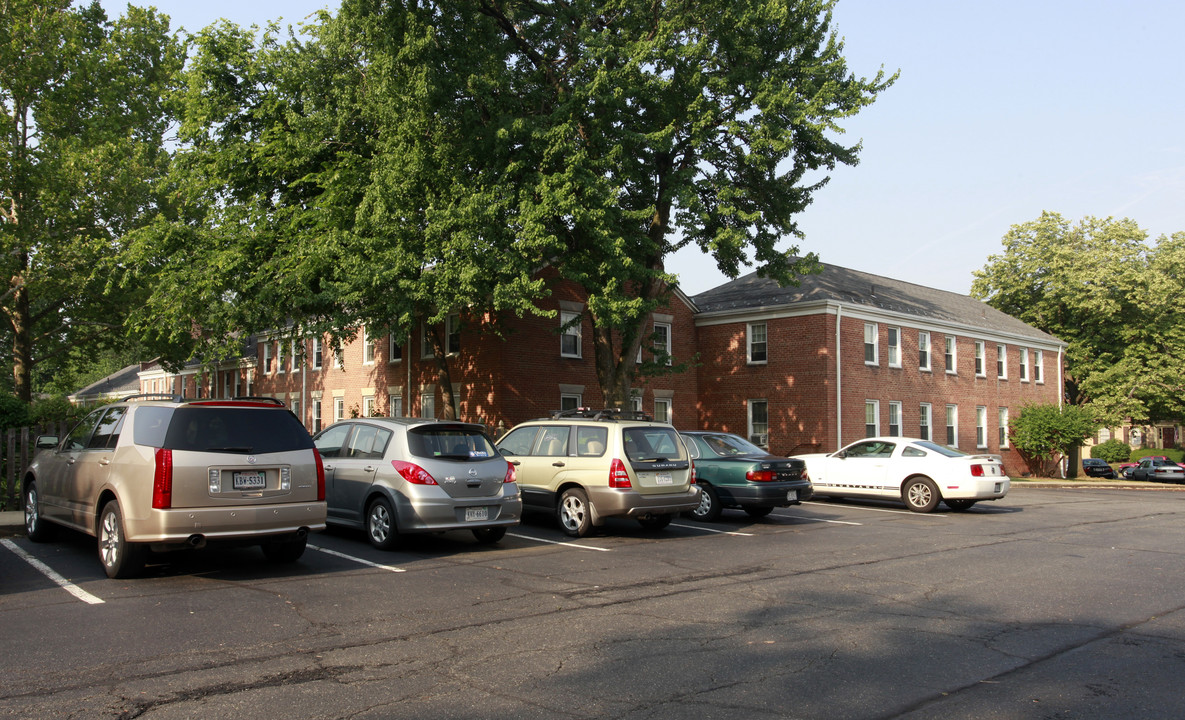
(559, 463)
(328, 467)
(368, 468)
(105, 461)
(515, 462)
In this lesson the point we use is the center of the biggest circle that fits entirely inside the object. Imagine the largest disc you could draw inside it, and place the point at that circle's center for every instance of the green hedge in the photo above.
(1113, 451)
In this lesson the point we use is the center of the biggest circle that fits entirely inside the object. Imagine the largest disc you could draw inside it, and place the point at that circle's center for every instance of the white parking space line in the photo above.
(49, 572)
(712, 530)
(884, 510)
(815, 519)
(335, 553)
(559, 542)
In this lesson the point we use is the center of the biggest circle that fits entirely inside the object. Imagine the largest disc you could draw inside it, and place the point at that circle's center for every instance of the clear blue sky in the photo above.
(1002, 110)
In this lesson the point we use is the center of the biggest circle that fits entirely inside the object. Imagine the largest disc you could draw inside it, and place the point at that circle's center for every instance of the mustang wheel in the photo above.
(574, 513)
(920, 494)
(959, 505)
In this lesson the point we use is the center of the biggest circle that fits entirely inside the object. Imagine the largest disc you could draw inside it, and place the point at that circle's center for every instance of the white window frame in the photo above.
(981, 426)
(666, 345)
(280, 357)
(575, 331)
(751, 342)
(895, 418)
(1001, 362)
(952, 426)
(950, 355)
(926, 421)
(668, 405)
(316, 415)
(924, 354)
(428, 405)
(894, 347)
(872, 409)
(575, 400)
(318, 354)
(368, 406)
(1024, 365)
(1002, 427)
(368, 349)
(339, 409)
(1039, 367)
(295, 407)
(755, 427)
(871, 342)
(452, 328)
(396, 403)
(980, 358)
(394, 350)
(267, 358)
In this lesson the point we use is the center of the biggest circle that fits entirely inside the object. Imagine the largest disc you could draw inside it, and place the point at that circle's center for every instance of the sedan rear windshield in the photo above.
(243, 430)
(450, 442)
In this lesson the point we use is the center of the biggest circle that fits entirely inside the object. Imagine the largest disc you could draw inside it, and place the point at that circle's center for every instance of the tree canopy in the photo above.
(83, 104)
(1112, 296)
(408, 160)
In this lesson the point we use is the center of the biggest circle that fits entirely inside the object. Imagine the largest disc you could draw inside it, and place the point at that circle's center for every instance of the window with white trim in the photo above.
(894, 347)
(636, 400)
(758, 422)
(662, 341)
(295, 406)
(318, 354)
(758, 344)
(570, 335)
(368, 406)
(394, 349)
(569, 401)
(662, 410)
(267, 358)
(872, 418)
(452, 330)
(1024, 364)
(1002, 426)
(280, 356)
(980, 359)
(1002, 362)
(339, 409)
(428, 405)
(925, 421)
(951, 359)
(396, 402)
(1039, 367)
(923, 350)
(316, 416)
(952, 425)
(870, 344)
(981, 427)
(895, 418)
(368, 349)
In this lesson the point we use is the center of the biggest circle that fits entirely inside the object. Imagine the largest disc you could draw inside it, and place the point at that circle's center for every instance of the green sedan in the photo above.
(732, 472)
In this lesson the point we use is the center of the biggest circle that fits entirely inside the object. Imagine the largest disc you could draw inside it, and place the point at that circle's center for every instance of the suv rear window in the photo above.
(229, 429)
(453, 442)
(649, 444)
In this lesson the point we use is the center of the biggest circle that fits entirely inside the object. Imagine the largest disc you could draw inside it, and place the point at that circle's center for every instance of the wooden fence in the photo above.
(15, 455)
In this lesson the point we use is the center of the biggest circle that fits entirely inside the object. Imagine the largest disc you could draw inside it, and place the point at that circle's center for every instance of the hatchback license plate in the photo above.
(664, 479)
(477, 514)
(249, 481)
(791, 494)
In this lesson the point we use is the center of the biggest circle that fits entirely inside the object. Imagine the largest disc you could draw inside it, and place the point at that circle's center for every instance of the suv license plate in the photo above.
(476, 514)
(664, 479)
(249, 481)
(791, 494)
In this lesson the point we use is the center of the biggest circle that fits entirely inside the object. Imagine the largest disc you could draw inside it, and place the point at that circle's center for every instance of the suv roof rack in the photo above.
(154, 396)
(260, 398)
(604, 414)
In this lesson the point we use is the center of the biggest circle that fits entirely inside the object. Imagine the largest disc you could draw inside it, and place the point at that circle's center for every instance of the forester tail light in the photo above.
(692, 464)
(162, 480)
(977, 471)
(320, 476)
(413, 473)
(511, 475)
(619, 477)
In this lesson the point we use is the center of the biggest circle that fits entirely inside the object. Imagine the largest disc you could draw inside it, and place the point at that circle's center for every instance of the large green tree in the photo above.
(82, 103)
(1113, 297)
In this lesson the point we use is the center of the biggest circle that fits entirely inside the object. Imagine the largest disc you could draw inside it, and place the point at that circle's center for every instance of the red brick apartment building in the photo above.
(845, 355)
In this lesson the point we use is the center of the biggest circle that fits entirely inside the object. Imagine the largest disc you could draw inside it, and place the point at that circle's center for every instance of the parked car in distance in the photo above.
(396, 476)
(732, 472)
(919, 473)
(1158, 469)
(1125, 469)
(588, 465)
(157, 472)
(1096, 467)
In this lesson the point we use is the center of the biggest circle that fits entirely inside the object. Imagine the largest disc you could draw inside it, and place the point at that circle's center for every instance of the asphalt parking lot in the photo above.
(1048, 604)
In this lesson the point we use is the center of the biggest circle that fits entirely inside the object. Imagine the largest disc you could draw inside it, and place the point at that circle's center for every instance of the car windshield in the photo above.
(451, 442)
(731, 445)
(940, 449)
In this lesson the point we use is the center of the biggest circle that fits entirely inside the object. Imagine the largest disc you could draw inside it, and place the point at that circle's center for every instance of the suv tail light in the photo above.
(977, 471)
(320, 476)
(162, 480)
(413, 473)
(618, 476)
(511, 475)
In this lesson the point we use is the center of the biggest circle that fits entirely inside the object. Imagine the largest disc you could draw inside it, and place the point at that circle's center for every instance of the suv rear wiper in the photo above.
(244, 449)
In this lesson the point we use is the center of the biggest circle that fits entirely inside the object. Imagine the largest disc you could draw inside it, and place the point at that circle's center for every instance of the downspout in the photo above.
(1061, 387)
(304, 389)
(838, 379)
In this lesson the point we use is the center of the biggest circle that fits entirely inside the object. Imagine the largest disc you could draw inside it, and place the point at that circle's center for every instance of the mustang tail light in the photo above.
(511, 475)
(619, 477)
(320, 476)
(162, 480)
(413, 473)
(977, 471)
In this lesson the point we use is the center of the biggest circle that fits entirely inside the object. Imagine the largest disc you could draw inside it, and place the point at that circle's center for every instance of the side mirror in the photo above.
(841, 454)
(47, 442)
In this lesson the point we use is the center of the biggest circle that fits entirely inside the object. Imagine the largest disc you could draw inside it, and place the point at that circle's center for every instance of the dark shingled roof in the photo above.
(874, 292)
(120, 382)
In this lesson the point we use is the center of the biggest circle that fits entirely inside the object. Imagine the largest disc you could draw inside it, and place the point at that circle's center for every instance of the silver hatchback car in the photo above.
(391, 476)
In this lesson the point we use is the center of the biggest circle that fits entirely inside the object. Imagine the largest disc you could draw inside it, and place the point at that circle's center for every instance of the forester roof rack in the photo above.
(603, 414)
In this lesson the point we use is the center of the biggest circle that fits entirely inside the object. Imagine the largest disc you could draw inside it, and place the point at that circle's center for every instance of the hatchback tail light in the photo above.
(162, 480)
(511, 475)
(413, 473)
(619, 477)
(320, 476)
(977, 471)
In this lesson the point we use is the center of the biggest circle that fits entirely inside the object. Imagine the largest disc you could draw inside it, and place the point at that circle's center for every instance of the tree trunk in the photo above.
(22, 342)
(444, 377)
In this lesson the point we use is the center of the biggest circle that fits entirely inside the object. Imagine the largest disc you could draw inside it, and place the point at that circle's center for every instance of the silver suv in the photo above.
(166, 474)
(587, 465)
